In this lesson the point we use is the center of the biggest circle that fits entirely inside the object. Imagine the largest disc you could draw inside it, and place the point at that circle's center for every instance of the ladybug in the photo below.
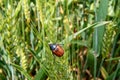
(56, 49)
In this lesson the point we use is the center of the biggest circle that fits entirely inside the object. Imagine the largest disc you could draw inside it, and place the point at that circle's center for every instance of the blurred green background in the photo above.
(87, 30)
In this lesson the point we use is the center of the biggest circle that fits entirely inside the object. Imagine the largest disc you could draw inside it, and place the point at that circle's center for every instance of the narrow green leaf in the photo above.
(34, 55)
(95, 25)
(5, 67)
(92, 62)
(41, 75)
(114, 74)
(100, 15)
(112, 59)
(104, 72)
(20, 69)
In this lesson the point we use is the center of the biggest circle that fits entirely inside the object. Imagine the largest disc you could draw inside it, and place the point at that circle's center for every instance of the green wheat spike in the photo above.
(108, 40)
(26, 10)
(23, 60)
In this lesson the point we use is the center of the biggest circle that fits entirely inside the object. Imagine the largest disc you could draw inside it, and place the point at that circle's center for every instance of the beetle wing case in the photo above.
(58, 51)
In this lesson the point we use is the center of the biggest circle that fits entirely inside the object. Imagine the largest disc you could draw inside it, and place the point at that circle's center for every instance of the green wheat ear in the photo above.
(23, 61)
(108, 40)
(26, 10)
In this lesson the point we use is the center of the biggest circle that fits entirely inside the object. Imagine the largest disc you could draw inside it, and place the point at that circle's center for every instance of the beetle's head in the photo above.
(52, 46)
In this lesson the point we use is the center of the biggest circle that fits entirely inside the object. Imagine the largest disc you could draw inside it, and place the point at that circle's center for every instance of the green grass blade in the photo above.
(41, 75)
(95, 25)
(100, 15)
(104, 72)
(112, 59)
(20, 69)
(115, 73)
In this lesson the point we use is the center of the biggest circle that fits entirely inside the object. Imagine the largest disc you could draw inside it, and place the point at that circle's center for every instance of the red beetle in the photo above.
(56, 49)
